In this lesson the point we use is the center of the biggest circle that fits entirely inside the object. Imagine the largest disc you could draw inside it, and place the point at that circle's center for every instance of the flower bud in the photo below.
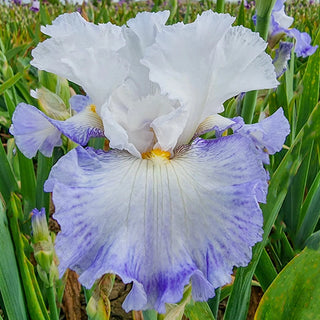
(42, 242)
(51, 104)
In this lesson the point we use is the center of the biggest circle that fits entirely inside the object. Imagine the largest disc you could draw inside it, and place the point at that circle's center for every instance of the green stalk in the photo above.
(44, 167)
(214, 303)
(34, 307)
(220, 6)
(161, 316)
(52, 303)
(264, 9)
(265, 271)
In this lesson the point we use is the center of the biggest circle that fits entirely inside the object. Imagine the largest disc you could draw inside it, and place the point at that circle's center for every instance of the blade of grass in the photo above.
(34, 307)
(310, 213)
(10, 82)
(264, 9)
(310, 83)
(8, 182)
(296, 193)
(44, 165)
(28, 183)
(265, 271)
(10, 285)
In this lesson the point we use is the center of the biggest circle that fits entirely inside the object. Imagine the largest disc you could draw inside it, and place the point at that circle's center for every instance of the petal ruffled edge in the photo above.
(33, 130)
(120, 217)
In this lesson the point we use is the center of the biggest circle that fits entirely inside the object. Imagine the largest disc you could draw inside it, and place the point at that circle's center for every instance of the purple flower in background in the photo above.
(280, 24)
(35, 6)
(247, 4)
(163, 208)
(282, 57)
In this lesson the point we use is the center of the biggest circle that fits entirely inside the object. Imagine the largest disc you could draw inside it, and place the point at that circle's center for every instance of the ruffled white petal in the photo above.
(131, 122)
(146, 25)
(159, 223)
(202, 68)
(84, 53)
(282, 19)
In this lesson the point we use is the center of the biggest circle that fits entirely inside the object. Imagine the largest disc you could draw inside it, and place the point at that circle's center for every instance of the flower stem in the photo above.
(220, 6)
(264, 10)
(52, 303)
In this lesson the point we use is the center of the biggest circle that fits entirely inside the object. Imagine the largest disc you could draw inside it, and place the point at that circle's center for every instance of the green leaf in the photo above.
(198, 311)
(295, 293)
(10, 103)
(28, 183)
(241, 15)
(43, 168)
(310, 83)
(296, 193)
(238, 308)
(10, 286)
(149, 315)
(10, 82)
(313, 242)
(8, 181)
(18, 51)
(34, 299)
(310, 213)
(265, 271)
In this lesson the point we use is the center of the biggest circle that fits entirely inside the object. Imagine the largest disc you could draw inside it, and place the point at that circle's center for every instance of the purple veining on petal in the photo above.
(130, 225)
(33, 131)
(268, 135)
(282, 57)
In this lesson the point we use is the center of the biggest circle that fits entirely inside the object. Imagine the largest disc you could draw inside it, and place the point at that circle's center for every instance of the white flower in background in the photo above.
(163, 207)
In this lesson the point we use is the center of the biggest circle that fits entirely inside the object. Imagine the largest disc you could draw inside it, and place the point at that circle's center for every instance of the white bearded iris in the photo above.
(163, 208)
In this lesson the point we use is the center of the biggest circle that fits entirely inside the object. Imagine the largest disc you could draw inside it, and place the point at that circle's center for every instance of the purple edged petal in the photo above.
(270, 134)
(33, 131)
(81, 127)
(159, 223)
(303, 46)
(79, 102)
(282, 57)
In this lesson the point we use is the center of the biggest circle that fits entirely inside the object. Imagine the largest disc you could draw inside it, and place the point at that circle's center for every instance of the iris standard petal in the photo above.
(280, 17)
(232, 60)
(156, 222)
(146, 24)
(270, 133)
(282, 57)
(84, 53)
(303, 47)
(79, 102)
(32, 131)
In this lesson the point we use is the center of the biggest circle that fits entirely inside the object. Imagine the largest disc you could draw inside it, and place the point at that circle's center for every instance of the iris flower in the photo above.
(163, 208)
(280, 24)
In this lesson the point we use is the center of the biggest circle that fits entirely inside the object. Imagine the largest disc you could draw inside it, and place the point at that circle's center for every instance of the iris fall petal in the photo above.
(156, 222)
